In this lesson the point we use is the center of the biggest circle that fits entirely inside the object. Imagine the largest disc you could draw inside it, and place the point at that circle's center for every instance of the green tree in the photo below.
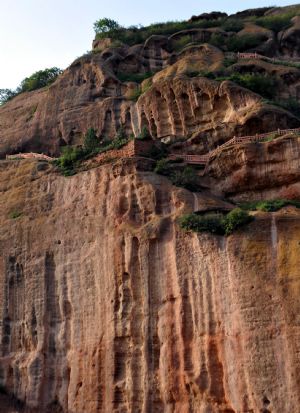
(91, 141)
(106, 25)
(40, 79)
(6, 95)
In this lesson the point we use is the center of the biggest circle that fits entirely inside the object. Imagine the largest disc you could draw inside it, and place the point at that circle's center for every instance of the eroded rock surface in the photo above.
(259, 170)
(107, 306)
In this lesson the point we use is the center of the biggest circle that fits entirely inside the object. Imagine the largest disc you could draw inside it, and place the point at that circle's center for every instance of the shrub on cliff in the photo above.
(264, 85)
(187, 178)
(269, 205)
(244, 42)
(91, 141)
(163, 167)
(216, 223)
(104, 27)
(277, 23)
(232, 25)
(235, 219)
(209, 223)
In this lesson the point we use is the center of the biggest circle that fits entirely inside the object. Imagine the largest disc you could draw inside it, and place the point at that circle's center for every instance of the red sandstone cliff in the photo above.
(107, 306)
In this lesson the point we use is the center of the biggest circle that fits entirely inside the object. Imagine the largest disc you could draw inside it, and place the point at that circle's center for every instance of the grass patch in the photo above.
(232, 25)
(72, 157)
(244, 42)
(276, 23)
(269, 205)
(291, 104)
(139, 34)
(216, 223)
(264, 85)
(185, 178)
(15, 214)
(133, 77)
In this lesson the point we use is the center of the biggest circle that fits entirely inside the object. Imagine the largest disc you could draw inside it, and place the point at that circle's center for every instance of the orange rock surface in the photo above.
(107, 306)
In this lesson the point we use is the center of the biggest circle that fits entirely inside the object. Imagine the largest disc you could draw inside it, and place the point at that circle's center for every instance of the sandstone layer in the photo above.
(255, 171)
(107, 306)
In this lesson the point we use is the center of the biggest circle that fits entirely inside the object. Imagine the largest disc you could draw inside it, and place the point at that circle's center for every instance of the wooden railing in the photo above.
(203, 159)
(262, 57)
(190, 159)
(30, 155)
(135, 148)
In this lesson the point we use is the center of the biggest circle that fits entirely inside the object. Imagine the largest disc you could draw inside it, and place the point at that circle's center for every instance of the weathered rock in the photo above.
(254, 171)
(290, 40)
(88, 94)
(107, 306)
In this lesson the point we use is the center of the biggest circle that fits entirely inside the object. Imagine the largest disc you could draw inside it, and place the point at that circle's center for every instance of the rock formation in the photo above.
(106, 304)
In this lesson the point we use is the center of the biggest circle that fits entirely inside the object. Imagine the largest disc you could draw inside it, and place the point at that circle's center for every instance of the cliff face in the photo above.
(107, 306)
(259, 170)
(89, 95)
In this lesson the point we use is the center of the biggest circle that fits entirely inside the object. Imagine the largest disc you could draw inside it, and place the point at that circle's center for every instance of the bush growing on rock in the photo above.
(275, 23)
(264, 85)
(91, 142)
(235, 219)
(232, 25)
(216, 223)
(106, 26)
(269, 205)
(244, 42)
(187, 178)
(209, 223)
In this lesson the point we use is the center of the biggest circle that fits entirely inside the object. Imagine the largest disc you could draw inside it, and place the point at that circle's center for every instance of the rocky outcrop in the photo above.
(107, 306)
(259, 170)
(290, 39)
(90, 94)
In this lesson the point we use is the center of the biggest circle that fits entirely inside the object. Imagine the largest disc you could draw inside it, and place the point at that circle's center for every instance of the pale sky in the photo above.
(38, 34)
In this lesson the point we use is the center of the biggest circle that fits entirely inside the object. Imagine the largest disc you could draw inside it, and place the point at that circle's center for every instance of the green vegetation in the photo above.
(163, 167)
(106, 25)
(232, 25)
(244, 42)
(15, 214)
(91, 141)
(291, 104)
(144, 134)
(229, 61)
(264, 85)
(269, 205)
(237, 43)
(181, 43)
(133, 77)
(277, 23)
(72, 156)
(216, 223)
(186, 178)
(211, 222)
(6, 95)
(40, 79)
(37, 80)
(139, 34)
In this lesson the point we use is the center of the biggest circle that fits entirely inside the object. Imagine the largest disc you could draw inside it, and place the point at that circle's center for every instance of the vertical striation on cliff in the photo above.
(107, 306)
